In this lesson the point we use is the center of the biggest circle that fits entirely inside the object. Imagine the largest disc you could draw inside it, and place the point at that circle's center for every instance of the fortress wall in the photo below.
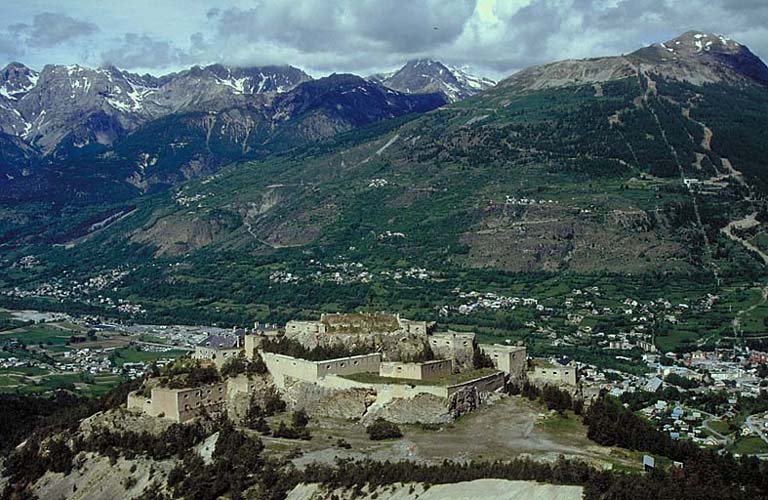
(489, 383)
(384, 391)
(347, 366)
(394, 337)
(138, 402)
(239, 384)
(429, 370)
(294, 328)
(395, 369)
(567, 375)
(393, 391)
(512, 360)
(252, 342)
(414, 327)
(457, 346)
(218, 356)
(322, 401)
(165, 402)
(192, 402)
(281, 366)
(423, 408)
(436, 369)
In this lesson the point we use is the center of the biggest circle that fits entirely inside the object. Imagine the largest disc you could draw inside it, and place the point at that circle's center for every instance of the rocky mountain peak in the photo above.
(702, 57)
(16, 80)
(696, 42)
(691, 45)
(87, 105)
(695, 56)
(423, 76)
(248, 80)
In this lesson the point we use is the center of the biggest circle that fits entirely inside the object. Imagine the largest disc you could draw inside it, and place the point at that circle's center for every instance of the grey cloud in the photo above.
(360, 35)
(413, 26)
(10, 47)
(314, 26)
(141, 51)
(49, 29)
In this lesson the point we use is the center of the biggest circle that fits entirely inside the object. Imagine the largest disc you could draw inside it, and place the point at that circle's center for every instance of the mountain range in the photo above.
(66, 112)
(645, 166)
(64, 107)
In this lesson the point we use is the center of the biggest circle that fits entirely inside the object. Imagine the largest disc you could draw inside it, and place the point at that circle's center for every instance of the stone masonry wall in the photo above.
(321, 401)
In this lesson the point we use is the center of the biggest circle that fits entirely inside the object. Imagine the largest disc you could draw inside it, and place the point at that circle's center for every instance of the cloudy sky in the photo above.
(492, 37)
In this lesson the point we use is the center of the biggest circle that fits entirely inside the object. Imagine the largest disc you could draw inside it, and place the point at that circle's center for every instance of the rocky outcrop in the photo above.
(464, 401)
(179, 234)
(321, 401)
(423, 408)
(479, 489)
(241, 391)
(95, 478)
(123, 420)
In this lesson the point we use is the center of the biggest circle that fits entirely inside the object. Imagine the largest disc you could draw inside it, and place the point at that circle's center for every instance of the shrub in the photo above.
(381, 429)
(299, 419)
(283, 431)
(273, 403)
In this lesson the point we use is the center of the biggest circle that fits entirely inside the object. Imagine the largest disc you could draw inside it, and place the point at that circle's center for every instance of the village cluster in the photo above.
(100, 352)
(91, 291)
(345, 273)
(737, 374)
(189, 201)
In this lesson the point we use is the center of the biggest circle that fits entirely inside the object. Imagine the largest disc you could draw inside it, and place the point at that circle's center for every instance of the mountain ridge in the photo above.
(694, 56)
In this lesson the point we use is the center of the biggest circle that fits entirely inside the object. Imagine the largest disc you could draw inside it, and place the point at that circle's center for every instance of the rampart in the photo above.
(181, 405)
(218, 356)
(428, 370)
(511, 360)
(397, 402)
(554, 375)
(395, 337)
(281, 366)
(459, 347)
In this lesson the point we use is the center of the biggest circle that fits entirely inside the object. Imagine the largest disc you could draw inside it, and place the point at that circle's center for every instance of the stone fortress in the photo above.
(393, 336)
(411, 374)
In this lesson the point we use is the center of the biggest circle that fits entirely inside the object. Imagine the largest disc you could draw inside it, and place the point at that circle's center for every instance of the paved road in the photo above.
(723, 439)
(755, 427)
